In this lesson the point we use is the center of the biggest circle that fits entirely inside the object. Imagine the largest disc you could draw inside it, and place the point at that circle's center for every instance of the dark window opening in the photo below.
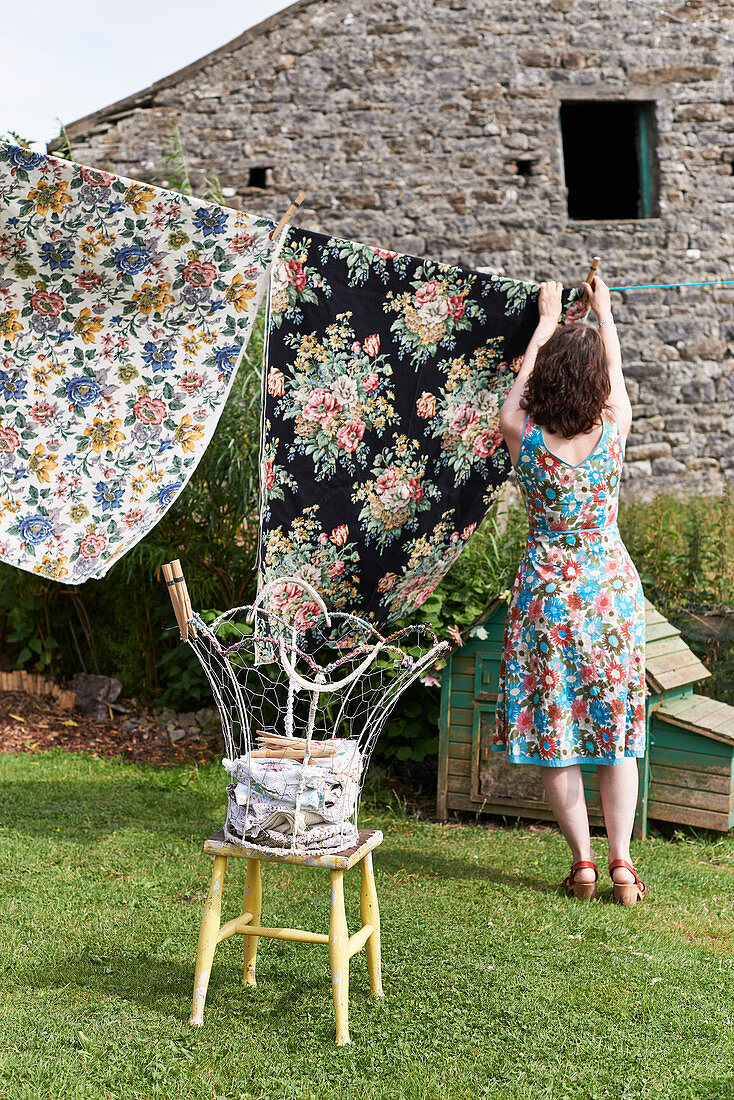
(607, 159)
(259, 177)
(524, 168)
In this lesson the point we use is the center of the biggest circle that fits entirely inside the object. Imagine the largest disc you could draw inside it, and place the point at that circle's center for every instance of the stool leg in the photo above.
(371, 915)
(208, 941)
(339, 957)
(252, 904)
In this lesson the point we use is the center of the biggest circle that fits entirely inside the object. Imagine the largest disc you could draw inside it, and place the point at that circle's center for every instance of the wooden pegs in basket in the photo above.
(288, 214)
(590, 279)
(179, 593)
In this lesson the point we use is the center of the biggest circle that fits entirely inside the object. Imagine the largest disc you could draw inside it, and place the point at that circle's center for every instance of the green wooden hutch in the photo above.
(687, 775)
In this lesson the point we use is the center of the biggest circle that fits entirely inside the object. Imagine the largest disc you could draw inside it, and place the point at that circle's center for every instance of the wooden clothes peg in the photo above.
(179, 593)
(590, 279)
(288, 214)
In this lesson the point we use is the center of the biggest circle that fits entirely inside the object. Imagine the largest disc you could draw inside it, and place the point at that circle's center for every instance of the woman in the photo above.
(572, 678)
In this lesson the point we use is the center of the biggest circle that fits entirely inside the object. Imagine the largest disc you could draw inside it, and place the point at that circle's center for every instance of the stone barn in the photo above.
(518, 135)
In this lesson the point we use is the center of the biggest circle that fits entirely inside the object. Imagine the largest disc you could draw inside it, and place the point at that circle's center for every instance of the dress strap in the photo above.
(527, 427)
(613, 415)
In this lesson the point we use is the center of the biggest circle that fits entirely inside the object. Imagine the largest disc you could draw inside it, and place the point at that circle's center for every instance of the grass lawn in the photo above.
(496, 985)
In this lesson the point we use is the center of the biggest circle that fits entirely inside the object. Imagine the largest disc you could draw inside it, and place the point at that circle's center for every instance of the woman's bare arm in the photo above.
(512, 416)
(618, 400)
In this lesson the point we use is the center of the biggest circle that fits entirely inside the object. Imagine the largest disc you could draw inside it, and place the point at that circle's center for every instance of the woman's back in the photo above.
(561, 495)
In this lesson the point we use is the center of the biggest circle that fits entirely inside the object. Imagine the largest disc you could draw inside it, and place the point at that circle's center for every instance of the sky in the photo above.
(63, 59)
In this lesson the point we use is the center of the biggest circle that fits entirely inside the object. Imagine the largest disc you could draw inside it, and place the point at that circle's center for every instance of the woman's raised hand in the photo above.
(549, 302)
(599, 298)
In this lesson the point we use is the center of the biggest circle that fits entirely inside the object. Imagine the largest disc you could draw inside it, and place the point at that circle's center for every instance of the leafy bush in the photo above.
(484, 572)
(684, 551)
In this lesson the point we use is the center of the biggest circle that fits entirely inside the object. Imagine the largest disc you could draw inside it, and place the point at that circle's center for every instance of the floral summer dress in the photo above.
(572, 676)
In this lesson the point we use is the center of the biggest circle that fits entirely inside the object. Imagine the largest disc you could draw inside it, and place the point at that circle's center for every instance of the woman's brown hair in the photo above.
(569, 385)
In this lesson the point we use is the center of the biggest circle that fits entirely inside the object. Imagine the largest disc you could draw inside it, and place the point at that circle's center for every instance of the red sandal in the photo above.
(581, 890)
(627, 893)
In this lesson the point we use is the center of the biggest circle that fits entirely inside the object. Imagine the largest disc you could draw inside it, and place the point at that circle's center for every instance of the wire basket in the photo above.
(302, 701)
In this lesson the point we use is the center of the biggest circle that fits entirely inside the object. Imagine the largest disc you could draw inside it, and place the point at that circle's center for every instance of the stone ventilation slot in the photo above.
(259, 176)
(524, 168)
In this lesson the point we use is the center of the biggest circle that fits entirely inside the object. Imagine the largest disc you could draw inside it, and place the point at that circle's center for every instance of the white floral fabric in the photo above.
(271, 801)
(124, 311)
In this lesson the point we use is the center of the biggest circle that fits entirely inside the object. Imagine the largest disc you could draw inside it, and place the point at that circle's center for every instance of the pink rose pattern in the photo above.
(336, 390)
(572, 677)
(123, 313)
(382, 391)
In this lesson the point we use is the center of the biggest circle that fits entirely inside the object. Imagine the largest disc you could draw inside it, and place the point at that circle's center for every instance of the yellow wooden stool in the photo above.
(341, 945)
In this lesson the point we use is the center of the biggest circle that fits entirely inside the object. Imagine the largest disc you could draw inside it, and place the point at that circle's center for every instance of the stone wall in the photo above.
(405, 122)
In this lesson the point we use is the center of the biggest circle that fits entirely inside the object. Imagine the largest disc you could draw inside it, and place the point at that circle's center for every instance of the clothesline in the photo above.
(706, 28)
(673, 286)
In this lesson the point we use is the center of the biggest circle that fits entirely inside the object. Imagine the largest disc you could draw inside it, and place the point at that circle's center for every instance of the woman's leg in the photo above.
(564, 790)
(618, 789)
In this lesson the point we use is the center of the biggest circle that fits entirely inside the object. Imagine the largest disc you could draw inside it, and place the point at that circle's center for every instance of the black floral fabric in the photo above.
(381, 448)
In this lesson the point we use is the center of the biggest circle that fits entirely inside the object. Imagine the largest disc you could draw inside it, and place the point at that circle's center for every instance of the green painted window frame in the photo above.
(643, 141)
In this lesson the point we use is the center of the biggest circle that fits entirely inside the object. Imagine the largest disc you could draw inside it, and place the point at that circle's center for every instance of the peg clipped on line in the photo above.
(590, 279)
(288, 214)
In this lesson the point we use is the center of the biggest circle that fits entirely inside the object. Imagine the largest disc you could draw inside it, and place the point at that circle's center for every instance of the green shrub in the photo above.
(684, 553)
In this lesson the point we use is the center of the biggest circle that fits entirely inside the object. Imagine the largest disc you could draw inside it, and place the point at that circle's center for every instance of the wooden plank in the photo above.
(463, 665)
(532, 812)
(671, 661)
(711, 733)
(537, 811)
(652, 616)
(691, 708)
(459, 767)
(675, 737)
(461, 700)
(460, 735)
(680, 796)
(444, 725)
(722, 723)
(675, 644)
(458, 784)
(688, 674)
(662, 755)
(682, 815)
(459, 751)
(660, 630)
(460, 682)
(464, 716)
(694, 780)
(705, 716)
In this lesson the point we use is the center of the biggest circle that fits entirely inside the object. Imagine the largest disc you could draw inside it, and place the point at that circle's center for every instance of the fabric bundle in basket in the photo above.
(271, 800)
